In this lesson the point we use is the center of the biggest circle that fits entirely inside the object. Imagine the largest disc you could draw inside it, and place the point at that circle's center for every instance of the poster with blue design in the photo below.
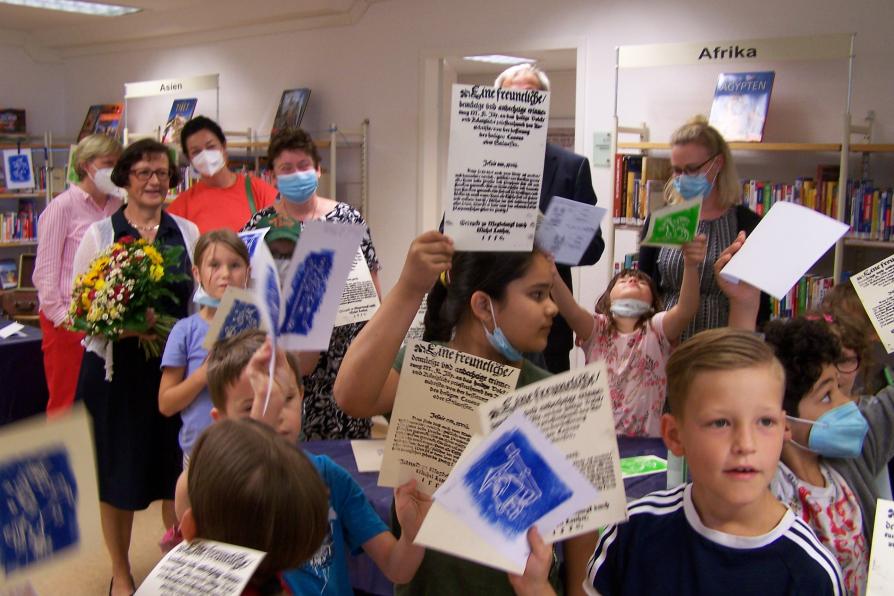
(49, 503)
(18, 169)
(512, 480)
(238, 311)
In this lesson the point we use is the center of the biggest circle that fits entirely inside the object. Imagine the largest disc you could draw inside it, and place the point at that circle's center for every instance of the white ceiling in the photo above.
(174, 21)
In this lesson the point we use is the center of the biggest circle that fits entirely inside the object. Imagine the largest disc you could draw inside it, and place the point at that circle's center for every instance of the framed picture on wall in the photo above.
(291, 109)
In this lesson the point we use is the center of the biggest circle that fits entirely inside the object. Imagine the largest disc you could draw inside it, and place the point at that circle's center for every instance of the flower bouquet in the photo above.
(116, 294)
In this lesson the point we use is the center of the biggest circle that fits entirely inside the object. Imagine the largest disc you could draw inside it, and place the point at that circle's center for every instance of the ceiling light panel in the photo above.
(76, 6)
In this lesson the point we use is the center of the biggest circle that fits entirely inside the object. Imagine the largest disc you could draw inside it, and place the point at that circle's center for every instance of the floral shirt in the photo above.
(322, 417)
(636, 372)
(834, 514)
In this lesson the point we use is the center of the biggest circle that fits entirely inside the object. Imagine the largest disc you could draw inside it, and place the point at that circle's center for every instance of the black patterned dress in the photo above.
(322, 418)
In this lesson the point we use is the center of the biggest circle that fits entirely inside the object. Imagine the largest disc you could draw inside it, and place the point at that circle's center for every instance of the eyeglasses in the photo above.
(692, 170)
(848, 365)
(146, 175)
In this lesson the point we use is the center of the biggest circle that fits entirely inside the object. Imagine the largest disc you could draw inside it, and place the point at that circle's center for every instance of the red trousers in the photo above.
(62, 354)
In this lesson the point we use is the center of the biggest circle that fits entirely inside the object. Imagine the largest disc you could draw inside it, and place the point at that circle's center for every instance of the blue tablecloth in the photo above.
(23, 387)
(366, 576)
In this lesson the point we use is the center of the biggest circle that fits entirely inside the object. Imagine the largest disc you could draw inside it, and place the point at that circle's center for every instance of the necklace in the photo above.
(143, 228)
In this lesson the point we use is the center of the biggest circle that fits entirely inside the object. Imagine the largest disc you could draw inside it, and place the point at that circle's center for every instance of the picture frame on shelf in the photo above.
(9, 274)
(291, 109)
(18, 169)
(12, 122)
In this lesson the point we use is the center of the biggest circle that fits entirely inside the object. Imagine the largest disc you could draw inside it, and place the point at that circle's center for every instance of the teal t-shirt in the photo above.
(448, 575)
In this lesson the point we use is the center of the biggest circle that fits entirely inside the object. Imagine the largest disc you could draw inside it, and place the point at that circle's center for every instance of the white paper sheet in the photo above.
(783, 247)
(314, 284)
(435, 410)
(11, 329)
(495, 167)
(514, 479)
(417, 327)
(238, 311)
(875, 287)
(18, 169)
(567, 229)
(574, 411)
(48, 488)
(253, 239)
(881, 555)
(202, 567)
(368, 454)
(360, 300)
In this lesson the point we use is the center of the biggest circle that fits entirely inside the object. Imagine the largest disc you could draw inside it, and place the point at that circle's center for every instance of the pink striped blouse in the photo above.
(59, 231)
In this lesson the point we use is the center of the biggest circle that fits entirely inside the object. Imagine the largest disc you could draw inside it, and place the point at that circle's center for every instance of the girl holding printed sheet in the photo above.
(491, 305)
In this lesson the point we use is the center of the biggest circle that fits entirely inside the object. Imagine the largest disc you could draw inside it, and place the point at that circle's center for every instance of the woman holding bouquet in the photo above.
(138, 458)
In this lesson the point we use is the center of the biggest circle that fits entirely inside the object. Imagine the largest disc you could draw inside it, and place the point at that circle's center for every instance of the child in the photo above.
(250, 488)
(238, 379)
(835, 448)
(221, 260)
(725, 533)
(633, 336)
(493, 305)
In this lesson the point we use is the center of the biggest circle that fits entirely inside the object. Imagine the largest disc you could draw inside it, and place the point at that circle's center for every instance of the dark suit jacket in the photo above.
(567, 174)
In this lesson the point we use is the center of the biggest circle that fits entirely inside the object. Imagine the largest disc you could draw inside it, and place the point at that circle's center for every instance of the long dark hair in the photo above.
(488, 272)
(604, 304)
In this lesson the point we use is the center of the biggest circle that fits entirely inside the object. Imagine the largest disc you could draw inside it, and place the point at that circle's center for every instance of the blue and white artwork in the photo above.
(513, 479)
(513, 486)
(18, 169)
(242, 316)
(38, 508)
(252, 240)
(306, 291)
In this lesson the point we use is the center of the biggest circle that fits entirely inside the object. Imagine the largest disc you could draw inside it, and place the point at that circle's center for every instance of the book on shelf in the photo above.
(12, 122)
(741, 102)
(639, 187)
(805, 296)
(868, 211)
(181, 111)
(102, 119)
(20, 225)
(630, 261)
(9, 274)
(291, 109)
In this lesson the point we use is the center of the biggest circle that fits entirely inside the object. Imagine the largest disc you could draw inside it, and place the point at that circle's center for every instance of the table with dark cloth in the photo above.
(366, 577)
(23, 387)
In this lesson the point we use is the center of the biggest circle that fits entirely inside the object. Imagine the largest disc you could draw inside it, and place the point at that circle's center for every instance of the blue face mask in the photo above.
(692, 186)
(840, 432)
(499, 341)
(629, 307)
(201, 297)
(297, 187)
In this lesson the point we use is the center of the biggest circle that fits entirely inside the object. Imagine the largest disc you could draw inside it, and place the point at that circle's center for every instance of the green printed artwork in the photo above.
(674, 225)
(642, 465)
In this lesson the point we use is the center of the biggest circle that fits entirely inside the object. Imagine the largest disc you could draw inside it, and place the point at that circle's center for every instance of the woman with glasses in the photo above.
(293, 158)
(702, 167)
(137, 453)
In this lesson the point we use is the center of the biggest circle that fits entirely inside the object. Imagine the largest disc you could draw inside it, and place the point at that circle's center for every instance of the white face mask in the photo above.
(209, 162)
(102, 180)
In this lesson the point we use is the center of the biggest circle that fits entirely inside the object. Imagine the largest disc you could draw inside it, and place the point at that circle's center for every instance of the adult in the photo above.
(702, 167)
(59, 231)
(221, 198)
(567, 175)
(295, 163)
(138, 458)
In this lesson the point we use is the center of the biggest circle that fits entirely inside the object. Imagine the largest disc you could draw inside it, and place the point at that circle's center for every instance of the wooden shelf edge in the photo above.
(17, 244)
(22, 195)
(859, 242)
(805, 147)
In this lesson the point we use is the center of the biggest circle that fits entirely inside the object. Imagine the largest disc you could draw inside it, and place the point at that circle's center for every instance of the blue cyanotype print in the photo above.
(512, 487)
(308, 288)
(242, 316)
(272, 296)
(19, 168)
(38, 508)
(251, 242)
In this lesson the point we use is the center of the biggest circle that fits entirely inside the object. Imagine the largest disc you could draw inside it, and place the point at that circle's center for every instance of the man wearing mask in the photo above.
(567, 175)
(221, 198)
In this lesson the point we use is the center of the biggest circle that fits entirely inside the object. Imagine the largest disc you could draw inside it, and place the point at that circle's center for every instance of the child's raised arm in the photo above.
(577, 317)
(285, 385)
(175, 392)
(744, 299)
(680, 315)
(366, 383)
(400, 558)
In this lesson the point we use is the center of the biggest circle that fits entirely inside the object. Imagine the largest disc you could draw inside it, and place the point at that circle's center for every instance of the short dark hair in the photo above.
(250, 487)
(804, 347)
(139, 151)
(292, 139)
(195, 125)
(229, 357)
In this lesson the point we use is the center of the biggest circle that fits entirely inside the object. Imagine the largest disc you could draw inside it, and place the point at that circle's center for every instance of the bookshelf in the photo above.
(855, 137)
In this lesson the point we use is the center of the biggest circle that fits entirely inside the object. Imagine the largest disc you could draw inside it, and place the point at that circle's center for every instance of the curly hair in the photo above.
(803, 347)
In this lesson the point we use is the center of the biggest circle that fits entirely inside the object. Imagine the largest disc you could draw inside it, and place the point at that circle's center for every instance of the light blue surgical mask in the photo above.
(498, 339)
(840, 432)
(629, 307)
(297, 187)
(692, 186)
(202, 298)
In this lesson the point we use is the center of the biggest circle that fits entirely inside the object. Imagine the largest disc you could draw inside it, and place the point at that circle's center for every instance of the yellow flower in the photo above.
(154, 255)
(156, 272)
(100, 284)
